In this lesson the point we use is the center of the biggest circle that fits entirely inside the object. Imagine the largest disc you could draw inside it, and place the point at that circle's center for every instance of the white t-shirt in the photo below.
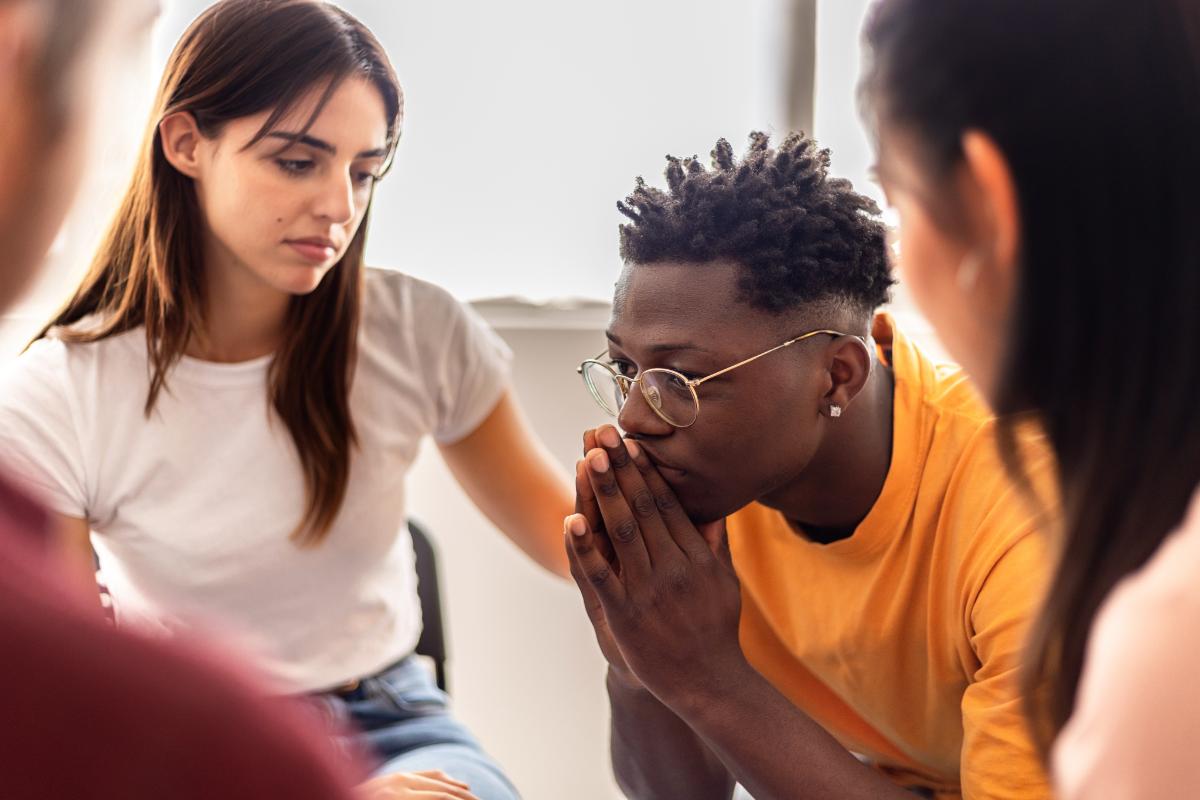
(1136, 722)
(191, 509)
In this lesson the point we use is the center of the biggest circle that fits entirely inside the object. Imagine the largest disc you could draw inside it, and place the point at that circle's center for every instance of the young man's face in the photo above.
(757, 427)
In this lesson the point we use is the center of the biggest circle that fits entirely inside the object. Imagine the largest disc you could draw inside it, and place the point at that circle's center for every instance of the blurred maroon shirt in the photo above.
(87, 710)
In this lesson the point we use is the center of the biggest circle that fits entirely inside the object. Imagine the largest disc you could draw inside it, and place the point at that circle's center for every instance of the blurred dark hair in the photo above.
(1096, 106)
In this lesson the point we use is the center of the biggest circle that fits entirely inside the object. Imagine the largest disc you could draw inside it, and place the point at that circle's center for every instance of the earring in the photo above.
(835, 410)
(968, 271)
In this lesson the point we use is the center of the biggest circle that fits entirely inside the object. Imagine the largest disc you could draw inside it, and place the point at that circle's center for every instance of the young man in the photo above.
(806, 549)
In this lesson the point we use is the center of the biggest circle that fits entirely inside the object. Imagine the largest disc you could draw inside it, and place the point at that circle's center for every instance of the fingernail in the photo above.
(576, 525)
(635, 451)
(598, 461)
(609, 437)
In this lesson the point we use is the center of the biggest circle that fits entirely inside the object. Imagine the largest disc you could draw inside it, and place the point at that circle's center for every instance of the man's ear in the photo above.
(848, 362)
(180, 137)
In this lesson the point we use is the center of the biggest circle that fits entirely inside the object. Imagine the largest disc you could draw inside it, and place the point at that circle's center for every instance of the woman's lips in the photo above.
(316, 252)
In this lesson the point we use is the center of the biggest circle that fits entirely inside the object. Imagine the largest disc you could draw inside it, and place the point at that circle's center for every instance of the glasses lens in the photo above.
(669, 394)
(602, 383)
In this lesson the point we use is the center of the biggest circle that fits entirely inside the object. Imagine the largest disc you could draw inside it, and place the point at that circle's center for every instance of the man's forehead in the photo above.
(677, 288)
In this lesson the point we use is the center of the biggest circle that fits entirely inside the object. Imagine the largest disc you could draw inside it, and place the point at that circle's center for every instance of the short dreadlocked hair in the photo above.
(800, 236)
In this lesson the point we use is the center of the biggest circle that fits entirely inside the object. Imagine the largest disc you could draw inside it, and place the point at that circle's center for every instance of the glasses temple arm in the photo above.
(697, 382)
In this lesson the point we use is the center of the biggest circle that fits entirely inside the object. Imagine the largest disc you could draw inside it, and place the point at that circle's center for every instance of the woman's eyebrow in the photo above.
(321, 144)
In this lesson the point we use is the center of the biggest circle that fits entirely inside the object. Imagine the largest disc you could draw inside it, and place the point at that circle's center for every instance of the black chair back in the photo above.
(432, 643)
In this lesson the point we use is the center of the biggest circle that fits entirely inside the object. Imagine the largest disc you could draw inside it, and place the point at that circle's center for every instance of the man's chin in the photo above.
(705, 508)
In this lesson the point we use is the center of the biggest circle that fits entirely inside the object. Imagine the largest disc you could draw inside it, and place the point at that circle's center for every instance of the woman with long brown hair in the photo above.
(162, 720)
(231, 400)
(1043, 159)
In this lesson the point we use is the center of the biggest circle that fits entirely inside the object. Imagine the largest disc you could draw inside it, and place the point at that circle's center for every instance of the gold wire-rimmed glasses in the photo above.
(670, 394)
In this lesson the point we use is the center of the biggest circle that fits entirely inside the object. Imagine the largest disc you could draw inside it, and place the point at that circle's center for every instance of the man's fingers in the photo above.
(620, 523)
(664, 495)
(681, 527)
(658, 541)
(596, 615)
(592, 571)
(585, 503)
(591, 600)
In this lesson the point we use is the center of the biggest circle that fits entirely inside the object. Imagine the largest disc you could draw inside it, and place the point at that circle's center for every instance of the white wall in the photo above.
(837, 125)
(836, 122)
(525, 122)
(525, 671)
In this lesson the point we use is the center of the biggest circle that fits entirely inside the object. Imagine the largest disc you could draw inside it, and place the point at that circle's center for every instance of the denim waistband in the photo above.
(356, 689)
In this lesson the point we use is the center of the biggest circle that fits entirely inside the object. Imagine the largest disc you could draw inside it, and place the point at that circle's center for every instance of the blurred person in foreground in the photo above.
(1043, 161)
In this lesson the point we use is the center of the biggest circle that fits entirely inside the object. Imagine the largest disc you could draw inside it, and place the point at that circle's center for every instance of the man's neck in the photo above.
(846, 476)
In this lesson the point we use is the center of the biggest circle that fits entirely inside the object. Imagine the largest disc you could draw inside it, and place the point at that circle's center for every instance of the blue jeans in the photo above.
(405, 721)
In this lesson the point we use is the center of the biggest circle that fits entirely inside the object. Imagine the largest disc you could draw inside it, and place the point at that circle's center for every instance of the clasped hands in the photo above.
(660, 591)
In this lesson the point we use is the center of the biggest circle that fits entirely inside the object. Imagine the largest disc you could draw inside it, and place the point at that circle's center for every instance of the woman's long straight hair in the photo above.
(1096, 106)
(240, 58)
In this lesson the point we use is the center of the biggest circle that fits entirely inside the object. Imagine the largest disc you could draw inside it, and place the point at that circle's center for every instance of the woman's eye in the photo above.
(365, 178)
(294, 166)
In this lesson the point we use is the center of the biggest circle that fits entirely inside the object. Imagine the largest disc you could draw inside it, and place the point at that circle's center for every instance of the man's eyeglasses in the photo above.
(670, 394)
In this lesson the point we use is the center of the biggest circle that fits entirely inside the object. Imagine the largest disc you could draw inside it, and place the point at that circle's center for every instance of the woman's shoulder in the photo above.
(390, 286)
(1168, 580)
(1138, 705)
(1150, 623)
(396, 303)
(61, 360)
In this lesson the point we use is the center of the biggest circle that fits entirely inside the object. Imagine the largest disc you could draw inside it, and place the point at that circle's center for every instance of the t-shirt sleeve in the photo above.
(468, 366)
(39, 433)
(999, 759)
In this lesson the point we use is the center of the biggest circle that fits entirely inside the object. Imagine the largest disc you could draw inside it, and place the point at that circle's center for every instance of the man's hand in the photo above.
(586, 506)
(666, 602)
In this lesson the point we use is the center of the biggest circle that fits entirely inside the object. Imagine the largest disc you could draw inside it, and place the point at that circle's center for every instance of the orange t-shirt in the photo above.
(904, 640)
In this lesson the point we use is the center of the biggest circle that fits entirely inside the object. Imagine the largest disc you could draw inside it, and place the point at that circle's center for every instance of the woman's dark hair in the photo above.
(241, 58)
(1096, 107)
(799, 235)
